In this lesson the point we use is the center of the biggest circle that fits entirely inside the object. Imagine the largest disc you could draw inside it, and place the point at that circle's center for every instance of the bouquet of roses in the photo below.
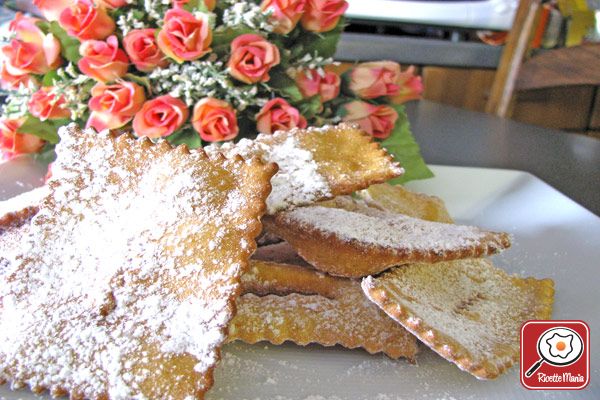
(193, 72)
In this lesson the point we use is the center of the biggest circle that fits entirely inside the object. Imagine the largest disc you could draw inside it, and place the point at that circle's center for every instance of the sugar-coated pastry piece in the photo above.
(400, 200)
(22, 206)
(305, 306)
(126, 281)
(368, 241)
(316, 163)
(281, 253)
(468, 311)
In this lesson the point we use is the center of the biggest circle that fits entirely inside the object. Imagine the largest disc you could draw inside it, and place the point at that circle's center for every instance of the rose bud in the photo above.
(13, 143)
(142, 49)
(215, 120)
(184, 36)
(46, 105)
(114, 105)
(9, 81)
(278, 115)
(375, 79)
(323, 15)
(285, 13)
(160, 117)
(411, 86)
(51, 9)
(252, 56)
(112, 4)
(85, 21)
(377, 120)
(311, 83)
(103, 61)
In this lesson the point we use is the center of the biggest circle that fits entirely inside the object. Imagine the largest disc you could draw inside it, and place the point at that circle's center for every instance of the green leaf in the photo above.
(46, 155)
(187, 136)
(46, 130)
(195, 5)
(405, 149)
(49, 78)
(140, 80)
(325, 44)
(69, 45)
(284, 85)
(311, 107)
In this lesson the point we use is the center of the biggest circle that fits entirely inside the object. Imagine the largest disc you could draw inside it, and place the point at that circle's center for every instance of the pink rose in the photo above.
(411, 86)
(375, 79)
(46, 105)
(13, 143)
(285, 13)
(323, 15)
(85, 21)
(31, 51)
(143, 51)
(252, 57)
(9, 81)
(103, 61)
(51, 9)
(184, 36)
(278, 115)
(160, 117)
(114, 105)
(377, 120)
(311, 83)
(215, 120)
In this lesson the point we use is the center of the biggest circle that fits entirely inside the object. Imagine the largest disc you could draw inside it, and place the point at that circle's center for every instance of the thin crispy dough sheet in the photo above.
(365, 241)
(468, 311)
(127, 280)
(305, 306)
(309, 170)
(22, 206)
(400, 200)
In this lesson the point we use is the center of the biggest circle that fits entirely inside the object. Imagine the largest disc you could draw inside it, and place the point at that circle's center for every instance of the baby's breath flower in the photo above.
(313, 61)
(196, 80)
(249, 14)
(130, 21)
(15, 105)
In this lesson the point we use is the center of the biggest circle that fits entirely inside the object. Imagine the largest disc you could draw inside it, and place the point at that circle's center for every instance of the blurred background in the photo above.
(533, 61)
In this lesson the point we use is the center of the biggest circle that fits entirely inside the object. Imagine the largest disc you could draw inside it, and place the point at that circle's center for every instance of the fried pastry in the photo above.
(281, 253)
(368, 241)
(400, 200)
(304, 306)
(468, 311)
(22, 206)
(126, 282)
(309, 170)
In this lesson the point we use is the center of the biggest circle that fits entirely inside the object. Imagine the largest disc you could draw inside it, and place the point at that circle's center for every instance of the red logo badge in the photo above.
(555, 355)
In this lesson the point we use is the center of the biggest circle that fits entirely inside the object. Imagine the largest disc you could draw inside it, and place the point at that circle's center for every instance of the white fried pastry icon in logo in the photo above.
(560, 346)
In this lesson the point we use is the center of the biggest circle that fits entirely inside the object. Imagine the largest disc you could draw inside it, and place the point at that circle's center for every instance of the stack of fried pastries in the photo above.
(122, 281)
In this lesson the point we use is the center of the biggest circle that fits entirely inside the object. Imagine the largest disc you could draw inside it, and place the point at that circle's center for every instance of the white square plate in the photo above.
(553, 237)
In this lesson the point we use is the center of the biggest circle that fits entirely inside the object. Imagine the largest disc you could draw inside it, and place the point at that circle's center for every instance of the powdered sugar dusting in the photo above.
(372, 227)
(114, 291)
(298, 181)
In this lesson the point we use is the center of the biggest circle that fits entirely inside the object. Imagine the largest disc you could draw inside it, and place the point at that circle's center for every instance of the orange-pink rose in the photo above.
(114, 105)
(51, 9)
(44, 105)
(31, 50)
(252, 57)
(142, 49)
(13, 143)
(323, 15)
(112, 3)
(285, 13)
(375, 79)
(85, 20)
(411, 86)
(9, 81)
(103, 60)
(377, 120)
(278, 115)
(215, 120)
(185, 36)
(160, 117)
(310, 82)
